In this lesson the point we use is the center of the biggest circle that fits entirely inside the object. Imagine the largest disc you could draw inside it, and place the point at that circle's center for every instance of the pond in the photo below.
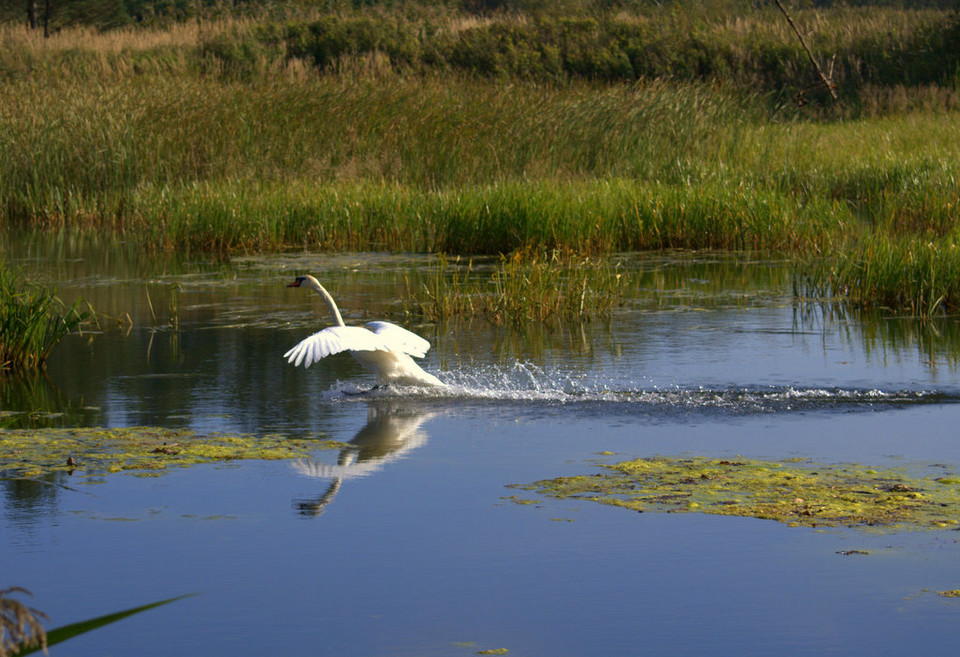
(409, 540)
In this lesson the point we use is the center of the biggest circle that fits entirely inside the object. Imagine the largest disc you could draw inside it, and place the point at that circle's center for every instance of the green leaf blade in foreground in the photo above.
(66, 632)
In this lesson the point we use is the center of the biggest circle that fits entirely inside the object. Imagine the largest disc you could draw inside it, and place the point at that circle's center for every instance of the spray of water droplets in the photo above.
(526, 382)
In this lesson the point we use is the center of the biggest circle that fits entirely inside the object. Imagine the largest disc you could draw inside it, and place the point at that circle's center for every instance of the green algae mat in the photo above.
(797, 491)
(145, 450)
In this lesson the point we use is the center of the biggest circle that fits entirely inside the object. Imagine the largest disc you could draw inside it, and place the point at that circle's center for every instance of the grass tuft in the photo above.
(525, 286)
(32, 322)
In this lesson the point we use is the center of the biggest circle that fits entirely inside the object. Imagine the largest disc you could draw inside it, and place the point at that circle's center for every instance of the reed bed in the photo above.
(591, 217)
(908, 275)
(99, 140)
(32, 322)
(427, 129)
(482, 169)
(527, 286)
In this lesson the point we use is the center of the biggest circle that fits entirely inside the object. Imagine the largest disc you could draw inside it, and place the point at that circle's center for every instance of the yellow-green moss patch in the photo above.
(954, 593)
(29, 453)
(520, 500)
(797, 492)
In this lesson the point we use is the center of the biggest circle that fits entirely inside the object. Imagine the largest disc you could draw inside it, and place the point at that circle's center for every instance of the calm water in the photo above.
(405, 543)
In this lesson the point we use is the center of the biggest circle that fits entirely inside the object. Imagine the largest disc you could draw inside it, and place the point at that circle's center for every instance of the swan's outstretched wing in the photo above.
(400, 339)
(333, 340)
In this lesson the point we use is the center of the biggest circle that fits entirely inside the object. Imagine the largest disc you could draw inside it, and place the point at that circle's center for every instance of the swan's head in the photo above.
(298, 282)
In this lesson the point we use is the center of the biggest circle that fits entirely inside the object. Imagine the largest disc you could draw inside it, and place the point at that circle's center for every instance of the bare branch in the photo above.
(827, 79)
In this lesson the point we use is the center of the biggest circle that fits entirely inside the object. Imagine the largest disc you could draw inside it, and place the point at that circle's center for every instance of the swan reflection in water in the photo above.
(392, 430)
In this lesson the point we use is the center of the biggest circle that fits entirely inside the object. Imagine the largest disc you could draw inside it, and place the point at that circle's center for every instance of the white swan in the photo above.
(383, 348)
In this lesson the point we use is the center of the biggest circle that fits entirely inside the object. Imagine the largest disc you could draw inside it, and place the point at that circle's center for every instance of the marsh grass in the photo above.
(589, 216)
(32, 322)
(457, 166)
(246, 135)
(907, 274)
(523, 287)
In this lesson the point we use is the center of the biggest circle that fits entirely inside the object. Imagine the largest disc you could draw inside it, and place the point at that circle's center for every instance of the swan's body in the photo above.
(385, 349)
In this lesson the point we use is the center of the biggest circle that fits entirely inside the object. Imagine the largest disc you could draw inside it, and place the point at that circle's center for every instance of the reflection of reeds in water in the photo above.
(32, 322)
(935, 340)
(24, 396)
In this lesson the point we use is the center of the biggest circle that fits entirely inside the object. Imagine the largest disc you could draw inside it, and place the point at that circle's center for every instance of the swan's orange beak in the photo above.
(296, 283)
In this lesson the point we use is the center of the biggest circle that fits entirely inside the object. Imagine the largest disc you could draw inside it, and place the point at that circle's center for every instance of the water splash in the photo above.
(526, 382)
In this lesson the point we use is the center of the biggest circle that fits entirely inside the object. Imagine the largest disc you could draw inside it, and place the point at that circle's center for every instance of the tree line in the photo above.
(53, 15)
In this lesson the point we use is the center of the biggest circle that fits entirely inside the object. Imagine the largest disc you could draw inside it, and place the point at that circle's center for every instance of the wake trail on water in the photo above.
(526, 382)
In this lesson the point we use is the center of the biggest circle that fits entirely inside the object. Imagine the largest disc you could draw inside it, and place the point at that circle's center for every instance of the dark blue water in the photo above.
(405, 543)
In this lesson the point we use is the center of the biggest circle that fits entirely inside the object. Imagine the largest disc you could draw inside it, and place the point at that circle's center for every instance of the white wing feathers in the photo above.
(400, 339)
(377, 336)
(333, 340)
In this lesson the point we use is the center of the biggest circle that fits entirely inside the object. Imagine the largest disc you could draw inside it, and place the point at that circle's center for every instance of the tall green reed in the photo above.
(32, 322)
(526, 286)
(585, 216)
(909, 274)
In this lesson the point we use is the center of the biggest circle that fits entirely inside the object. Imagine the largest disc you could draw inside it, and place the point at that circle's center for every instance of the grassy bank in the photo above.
(259, 134)
(459, 166)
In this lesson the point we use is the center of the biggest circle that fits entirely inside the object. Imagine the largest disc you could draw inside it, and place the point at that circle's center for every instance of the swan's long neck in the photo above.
(331, 304)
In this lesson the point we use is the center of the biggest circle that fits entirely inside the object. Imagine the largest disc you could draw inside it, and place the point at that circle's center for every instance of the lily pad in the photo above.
(31, 453)
(796, 492)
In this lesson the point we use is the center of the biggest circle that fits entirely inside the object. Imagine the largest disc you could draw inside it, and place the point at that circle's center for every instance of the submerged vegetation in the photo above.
(796, 492)
(146, 450)
(32, 322)
(479, 128)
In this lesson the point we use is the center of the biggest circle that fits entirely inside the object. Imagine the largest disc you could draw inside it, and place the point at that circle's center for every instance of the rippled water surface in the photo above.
(406, 542)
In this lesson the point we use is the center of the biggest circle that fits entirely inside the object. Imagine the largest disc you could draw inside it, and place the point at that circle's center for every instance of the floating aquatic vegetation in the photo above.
(796, 492)
(31, 453)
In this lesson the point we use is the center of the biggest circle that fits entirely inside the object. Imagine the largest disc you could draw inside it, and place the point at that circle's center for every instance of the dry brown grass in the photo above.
(20, 625)
(188, 34)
